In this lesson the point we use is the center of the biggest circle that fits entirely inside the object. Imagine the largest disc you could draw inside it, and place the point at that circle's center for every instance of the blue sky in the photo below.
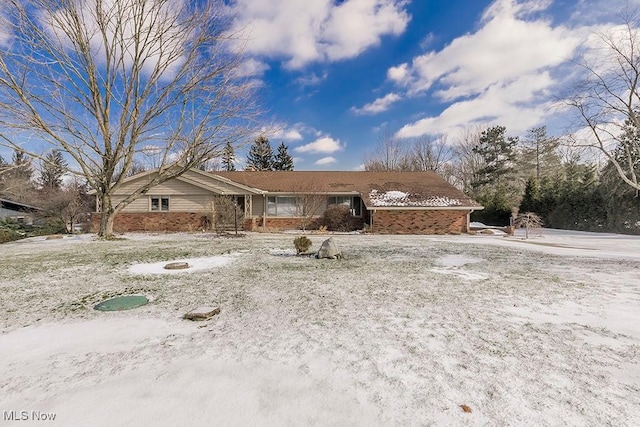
(336, 75)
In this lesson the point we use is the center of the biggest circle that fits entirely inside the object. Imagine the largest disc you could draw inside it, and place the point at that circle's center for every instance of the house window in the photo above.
(281, 206)
(352, 202)
(159, 203)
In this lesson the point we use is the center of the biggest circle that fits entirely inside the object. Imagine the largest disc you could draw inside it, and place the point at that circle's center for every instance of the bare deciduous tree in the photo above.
(607, 99)
(105, 80)
(468, 162)
(310, 203)
(225, 214)
(425, 153)
(527, 221)
(431, 154)
(390, 154)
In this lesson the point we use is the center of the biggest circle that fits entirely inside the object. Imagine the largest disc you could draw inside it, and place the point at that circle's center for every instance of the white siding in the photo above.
(177, 203)
(167, 188)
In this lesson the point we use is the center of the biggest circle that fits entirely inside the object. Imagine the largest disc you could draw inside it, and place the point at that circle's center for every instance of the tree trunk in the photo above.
(106, 218)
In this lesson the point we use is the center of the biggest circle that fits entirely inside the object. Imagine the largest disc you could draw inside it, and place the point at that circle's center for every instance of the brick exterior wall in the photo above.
(152, 221)
(277, 223)
(280, 223)
(419, 222)
(384, 222)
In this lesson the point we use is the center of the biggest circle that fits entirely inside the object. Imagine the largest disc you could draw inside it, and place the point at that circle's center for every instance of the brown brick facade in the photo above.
(384, 222)
(419, 222)
(153, 221)
(277, 223)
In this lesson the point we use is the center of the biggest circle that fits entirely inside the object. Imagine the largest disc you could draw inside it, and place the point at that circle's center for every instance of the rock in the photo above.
(176, 266)
(202, 313)
(329, 250)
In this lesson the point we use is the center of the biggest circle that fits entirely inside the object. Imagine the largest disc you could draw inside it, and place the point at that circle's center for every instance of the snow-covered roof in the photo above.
(397, 198)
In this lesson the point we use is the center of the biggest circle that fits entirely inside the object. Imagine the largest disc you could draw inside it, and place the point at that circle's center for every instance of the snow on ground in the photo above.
(403, 331)
(195, 264)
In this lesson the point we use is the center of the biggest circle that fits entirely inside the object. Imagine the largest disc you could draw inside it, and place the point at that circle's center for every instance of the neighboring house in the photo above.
(17, 211)
(387, 202)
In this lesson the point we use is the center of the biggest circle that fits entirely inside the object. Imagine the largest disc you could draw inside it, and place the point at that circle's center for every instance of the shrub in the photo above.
(302, 244)
(337, 218)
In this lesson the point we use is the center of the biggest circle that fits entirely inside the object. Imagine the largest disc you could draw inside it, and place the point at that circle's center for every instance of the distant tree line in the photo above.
(536, 173)
(46, 184)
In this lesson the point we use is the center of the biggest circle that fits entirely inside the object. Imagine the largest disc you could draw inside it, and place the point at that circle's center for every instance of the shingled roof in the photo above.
(377, 189)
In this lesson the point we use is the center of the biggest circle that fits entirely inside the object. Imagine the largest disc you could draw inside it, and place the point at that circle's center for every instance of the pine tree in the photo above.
(539, 154)
(498, 153)
(282, 160)
(52, 169)
(531, 199)
(228, 158)
(260, 155)
(23, 170)
(494, 183)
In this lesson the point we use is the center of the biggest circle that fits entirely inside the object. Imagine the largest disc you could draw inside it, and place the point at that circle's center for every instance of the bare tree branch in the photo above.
(607, 99)
(104, 79)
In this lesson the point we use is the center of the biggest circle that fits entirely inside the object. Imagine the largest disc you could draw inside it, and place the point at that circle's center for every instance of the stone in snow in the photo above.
(329, 249)
(202, 313)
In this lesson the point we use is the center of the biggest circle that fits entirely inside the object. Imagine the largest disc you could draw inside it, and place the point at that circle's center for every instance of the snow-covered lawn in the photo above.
(403, 331)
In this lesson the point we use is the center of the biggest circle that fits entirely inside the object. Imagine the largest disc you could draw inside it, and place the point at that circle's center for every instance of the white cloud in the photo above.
(5, 30)
(312, 79)
(317, 30)
(251, 68)
(326, 161)
(324, 145)
(284, 131)
(288, 134)
(379, 105)
(511, 104)
(505, 48)
(503, 73)
(399, 73)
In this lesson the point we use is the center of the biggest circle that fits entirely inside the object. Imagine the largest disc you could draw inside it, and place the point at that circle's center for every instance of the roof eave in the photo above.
(425, 208)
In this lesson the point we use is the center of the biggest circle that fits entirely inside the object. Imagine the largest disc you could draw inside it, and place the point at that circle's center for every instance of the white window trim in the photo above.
(160, 198)
(275, 215)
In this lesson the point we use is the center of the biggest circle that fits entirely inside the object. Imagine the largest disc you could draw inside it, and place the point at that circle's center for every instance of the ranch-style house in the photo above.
(383, 202)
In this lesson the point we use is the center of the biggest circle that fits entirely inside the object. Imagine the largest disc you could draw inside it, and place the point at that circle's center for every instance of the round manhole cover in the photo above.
(122, 303)
(176, 266)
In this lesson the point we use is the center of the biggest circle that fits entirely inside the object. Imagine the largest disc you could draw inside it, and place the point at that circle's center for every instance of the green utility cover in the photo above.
(122, 303)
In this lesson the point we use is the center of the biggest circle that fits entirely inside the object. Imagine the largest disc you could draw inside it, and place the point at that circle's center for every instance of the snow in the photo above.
(399, 198)
(195, 264)
(403, 331)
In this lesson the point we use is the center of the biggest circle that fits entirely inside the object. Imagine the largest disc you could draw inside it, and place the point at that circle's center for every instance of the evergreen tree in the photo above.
(23, 170)
(493, 184)
(52, 169)
(627, 153)
(539, 155)
(260, 155)
(531, 199)
(282, 161)
(498, 153)
(228, 158)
